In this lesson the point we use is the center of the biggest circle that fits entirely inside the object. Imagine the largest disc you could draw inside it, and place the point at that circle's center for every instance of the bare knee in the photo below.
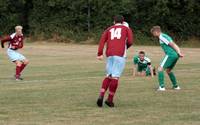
(26, 62)
(18, 63)
(143, 74)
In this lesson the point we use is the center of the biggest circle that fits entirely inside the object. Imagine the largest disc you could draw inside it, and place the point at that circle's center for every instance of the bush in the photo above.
(69, 20)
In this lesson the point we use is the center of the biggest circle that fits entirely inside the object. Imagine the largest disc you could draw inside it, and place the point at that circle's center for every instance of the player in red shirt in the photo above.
(118, 38)
(16, 42)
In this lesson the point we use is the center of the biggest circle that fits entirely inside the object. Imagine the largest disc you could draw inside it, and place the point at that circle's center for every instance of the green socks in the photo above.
(173, 79)
(171, 76)
(161, 79)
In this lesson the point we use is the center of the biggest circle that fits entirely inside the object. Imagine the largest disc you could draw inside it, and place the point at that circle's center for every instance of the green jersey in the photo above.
(142, 64)
(164, 40)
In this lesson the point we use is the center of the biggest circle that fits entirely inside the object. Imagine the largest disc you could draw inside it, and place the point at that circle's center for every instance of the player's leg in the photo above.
(143, 73)
(161, 68)
(171, 74)
(15, 58)
(117, 69)
(106, 81)
(18, 69)
(104, 87)
(172, 77)
(112, 90)
(139, 71)
(25, 62)
(161, 79)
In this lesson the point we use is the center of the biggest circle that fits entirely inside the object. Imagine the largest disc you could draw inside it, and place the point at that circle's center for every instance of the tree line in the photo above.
(80, 19)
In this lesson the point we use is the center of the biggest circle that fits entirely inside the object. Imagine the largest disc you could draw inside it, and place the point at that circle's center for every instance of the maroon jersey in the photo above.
(15, 42)
(118, 38)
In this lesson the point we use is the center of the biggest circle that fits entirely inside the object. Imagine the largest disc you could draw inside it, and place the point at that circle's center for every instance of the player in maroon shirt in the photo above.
(118, 38)
(16, 42)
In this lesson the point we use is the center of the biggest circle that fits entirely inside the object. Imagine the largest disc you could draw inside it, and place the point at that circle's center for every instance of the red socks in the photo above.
(112, 89)
(112, 84)
(18, 70)
(105, 85)
(22, 67)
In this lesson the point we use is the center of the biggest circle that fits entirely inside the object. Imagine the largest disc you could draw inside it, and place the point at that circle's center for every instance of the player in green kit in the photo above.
(142, 65)
(172, 54)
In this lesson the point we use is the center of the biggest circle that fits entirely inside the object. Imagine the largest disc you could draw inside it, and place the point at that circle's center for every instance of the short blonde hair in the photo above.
(18, 27)
(155, 28)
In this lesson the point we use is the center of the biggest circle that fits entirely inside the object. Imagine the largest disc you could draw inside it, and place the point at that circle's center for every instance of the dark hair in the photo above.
(118, 19)
(141, 52)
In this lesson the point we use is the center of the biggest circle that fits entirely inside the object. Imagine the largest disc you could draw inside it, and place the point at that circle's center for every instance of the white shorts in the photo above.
(115, 66)
(15, 56)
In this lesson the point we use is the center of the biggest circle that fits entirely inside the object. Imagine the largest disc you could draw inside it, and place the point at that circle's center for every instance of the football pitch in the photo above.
(62, 83)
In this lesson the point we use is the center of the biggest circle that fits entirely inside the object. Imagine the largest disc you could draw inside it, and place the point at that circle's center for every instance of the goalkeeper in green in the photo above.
(142, 65)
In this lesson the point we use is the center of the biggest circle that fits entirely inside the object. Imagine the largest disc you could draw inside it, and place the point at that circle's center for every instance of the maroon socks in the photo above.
(105, 85)
(22, 67)
(112, 84)
(112, 89)
(18, 70)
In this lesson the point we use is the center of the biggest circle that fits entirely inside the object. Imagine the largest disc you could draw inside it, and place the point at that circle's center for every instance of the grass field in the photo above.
(62, 84)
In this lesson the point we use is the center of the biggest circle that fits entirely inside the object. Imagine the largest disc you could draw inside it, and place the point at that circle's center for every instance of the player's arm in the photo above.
(21, 44)
(130, 38)
(102, 42)
(135, 70)
(168, 41)
(135, 65)
(151, 68)
(176, 48)
(3, 40)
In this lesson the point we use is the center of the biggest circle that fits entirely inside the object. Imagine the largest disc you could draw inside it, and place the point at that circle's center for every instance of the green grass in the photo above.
(62, 84)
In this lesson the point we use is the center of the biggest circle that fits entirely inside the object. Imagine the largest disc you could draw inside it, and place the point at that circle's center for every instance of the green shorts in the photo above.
(145, 69)
(141, 68)
(169, 62)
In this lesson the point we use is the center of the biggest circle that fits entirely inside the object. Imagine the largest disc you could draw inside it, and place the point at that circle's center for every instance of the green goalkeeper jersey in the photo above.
(141, 64)
(164, 40)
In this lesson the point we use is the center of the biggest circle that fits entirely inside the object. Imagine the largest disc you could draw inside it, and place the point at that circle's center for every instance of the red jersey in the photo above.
(15, 42)
(118, 38)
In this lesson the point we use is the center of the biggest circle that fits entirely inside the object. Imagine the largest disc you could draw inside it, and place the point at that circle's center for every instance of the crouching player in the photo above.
(117, 38)
(15, 42)
(172, 54)
(142, 65)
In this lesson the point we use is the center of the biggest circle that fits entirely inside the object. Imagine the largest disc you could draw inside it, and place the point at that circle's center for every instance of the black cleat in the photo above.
(100, 102)
(19, 79)
(110, 104)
